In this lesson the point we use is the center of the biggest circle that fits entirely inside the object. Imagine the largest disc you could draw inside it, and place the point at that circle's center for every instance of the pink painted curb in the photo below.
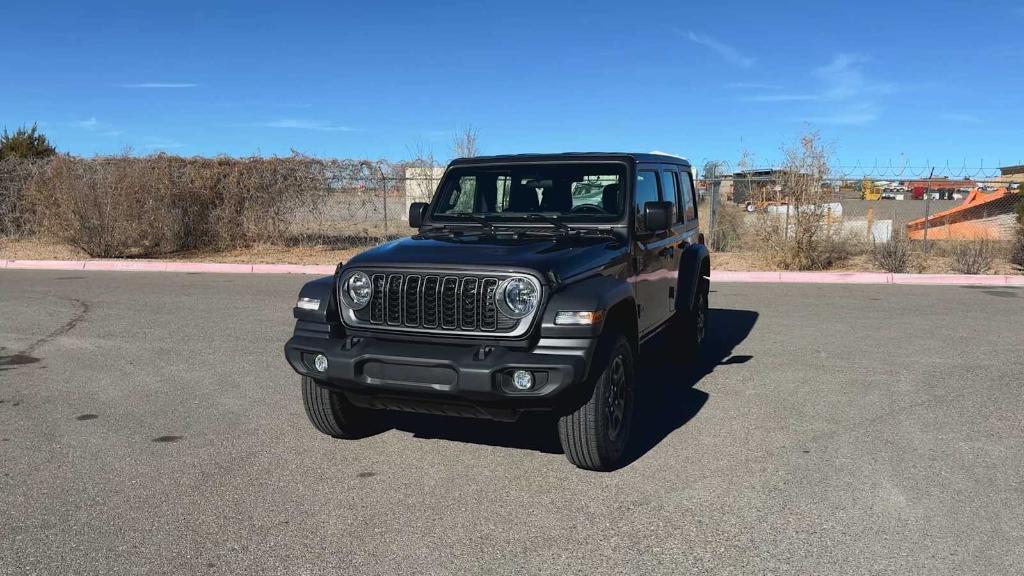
(866, 278)
(731, 276)
(325, 269)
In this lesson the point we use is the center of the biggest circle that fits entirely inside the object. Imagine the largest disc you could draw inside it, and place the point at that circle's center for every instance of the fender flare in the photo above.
(321, 289)
(693, 259)
(594, 293)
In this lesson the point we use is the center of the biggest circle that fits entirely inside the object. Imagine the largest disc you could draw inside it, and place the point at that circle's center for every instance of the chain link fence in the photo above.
(186, 202)
(871, 210)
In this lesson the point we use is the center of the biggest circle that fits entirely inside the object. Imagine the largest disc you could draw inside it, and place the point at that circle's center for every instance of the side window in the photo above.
(669, 190)
(646, 191)
(690, 210)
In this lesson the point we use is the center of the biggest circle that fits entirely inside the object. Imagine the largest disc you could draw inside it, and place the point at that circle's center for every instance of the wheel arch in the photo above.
(695, 264)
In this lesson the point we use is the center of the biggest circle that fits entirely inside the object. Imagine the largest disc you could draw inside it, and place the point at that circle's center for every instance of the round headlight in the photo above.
(358, 289)
(518, 297)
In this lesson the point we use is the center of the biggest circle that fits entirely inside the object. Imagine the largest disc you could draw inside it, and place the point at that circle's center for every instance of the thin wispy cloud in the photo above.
(93, 125)
(960, 117)
(840, 80)
(852, 116)
(88, 124)
(160, 85)
(723, 50)
(844, 78)
(843, 93)
(752, 86)
(157, 144)
(299, 124)
(782, 98)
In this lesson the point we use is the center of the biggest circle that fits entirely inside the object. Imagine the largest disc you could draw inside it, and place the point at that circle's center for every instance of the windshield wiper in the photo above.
(488, 226)
(553, 220)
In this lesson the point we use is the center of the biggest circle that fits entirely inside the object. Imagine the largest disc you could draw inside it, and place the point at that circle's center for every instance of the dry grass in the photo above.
(35, 249)
(38, 249)
(974, 256)
(1017, 249)
(894, 255)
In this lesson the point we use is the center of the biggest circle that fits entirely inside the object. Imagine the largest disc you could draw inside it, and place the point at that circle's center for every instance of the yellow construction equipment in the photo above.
(869, 192)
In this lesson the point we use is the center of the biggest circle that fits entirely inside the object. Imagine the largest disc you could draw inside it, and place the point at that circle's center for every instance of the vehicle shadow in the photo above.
(666, 397)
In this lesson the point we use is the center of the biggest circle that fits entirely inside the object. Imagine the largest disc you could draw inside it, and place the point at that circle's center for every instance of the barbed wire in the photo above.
(888, 170)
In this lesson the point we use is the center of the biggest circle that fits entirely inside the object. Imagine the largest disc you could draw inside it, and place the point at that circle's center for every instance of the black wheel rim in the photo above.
(700, 318)
(615, 400)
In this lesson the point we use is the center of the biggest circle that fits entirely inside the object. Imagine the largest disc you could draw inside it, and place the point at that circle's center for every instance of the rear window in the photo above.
(689, 209)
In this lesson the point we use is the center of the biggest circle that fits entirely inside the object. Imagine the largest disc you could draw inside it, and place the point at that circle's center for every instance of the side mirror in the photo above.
(417, 213)
(657, 216)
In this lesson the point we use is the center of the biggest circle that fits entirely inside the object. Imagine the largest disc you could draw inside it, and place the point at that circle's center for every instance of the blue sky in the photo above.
(883, 81)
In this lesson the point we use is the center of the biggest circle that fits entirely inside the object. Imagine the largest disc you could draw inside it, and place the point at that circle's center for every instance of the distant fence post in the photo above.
(927, 208)
(712, 180)
(384, 187)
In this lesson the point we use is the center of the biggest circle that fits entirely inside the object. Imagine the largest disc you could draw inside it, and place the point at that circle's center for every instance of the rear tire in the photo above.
(595, 436)
(693, 322)
(332, 414)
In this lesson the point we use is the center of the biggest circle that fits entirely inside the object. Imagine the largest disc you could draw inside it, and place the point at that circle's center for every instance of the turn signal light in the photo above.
(590, 318)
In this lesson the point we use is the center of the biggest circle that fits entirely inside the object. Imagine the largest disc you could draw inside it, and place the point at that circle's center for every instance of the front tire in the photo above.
(332, 414)
(595, 436)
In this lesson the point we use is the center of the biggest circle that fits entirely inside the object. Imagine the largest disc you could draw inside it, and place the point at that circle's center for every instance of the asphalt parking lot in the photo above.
(149, 424)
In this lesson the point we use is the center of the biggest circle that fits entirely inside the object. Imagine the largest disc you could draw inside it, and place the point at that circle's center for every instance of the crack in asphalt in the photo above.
(26, 356)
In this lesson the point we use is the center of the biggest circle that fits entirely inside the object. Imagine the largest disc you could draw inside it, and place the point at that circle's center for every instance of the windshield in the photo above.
(590, 192)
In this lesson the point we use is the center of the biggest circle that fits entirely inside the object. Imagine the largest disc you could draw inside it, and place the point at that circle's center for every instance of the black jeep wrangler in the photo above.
(530, 285)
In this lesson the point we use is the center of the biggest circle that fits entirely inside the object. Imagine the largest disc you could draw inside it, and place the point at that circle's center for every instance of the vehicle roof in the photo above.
(574, 156)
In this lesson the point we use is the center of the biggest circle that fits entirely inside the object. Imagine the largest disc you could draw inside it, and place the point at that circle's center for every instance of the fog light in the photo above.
(320, 363)
(522, 379)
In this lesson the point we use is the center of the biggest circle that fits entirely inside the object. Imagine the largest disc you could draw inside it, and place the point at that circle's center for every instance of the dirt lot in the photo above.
(31, 249)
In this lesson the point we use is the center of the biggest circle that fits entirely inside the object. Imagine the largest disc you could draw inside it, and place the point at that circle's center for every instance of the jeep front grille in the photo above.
(455, 303)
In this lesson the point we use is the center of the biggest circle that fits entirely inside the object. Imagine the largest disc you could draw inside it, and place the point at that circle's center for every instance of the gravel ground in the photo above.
(149, 424)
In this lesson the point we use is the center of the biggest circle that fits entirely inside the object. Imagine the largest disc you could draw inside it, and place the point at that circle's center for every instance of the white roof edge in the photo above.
(660, 153)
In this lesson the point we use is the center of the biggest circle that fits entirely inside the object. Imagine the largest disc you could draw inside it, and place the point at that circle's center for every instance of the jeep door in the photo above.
(652, 276)
(684, 228)
(672, 178)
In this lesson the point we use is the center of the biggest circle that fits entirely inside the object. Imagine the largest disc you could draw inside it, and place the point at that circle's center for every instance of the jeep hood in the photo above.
(566, 256)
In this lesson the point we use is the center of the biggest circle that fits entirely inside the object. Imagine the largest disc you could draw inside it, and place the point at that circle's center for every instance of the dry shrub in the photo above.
(15, 174)
(132, 206)
(803, 235)
(729, 228)
(1017, 251)
(973, 256)
(893, 255)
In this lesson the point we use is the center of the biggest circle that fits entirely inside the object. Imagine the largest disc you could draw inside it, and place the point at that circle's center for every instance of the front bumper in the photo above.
(449, 378)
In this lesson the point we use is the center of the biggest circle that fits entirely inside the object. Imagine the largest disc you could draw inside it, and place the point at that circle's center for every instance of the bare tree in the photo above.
(420, 174)
(464, 143)
(802, 233)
